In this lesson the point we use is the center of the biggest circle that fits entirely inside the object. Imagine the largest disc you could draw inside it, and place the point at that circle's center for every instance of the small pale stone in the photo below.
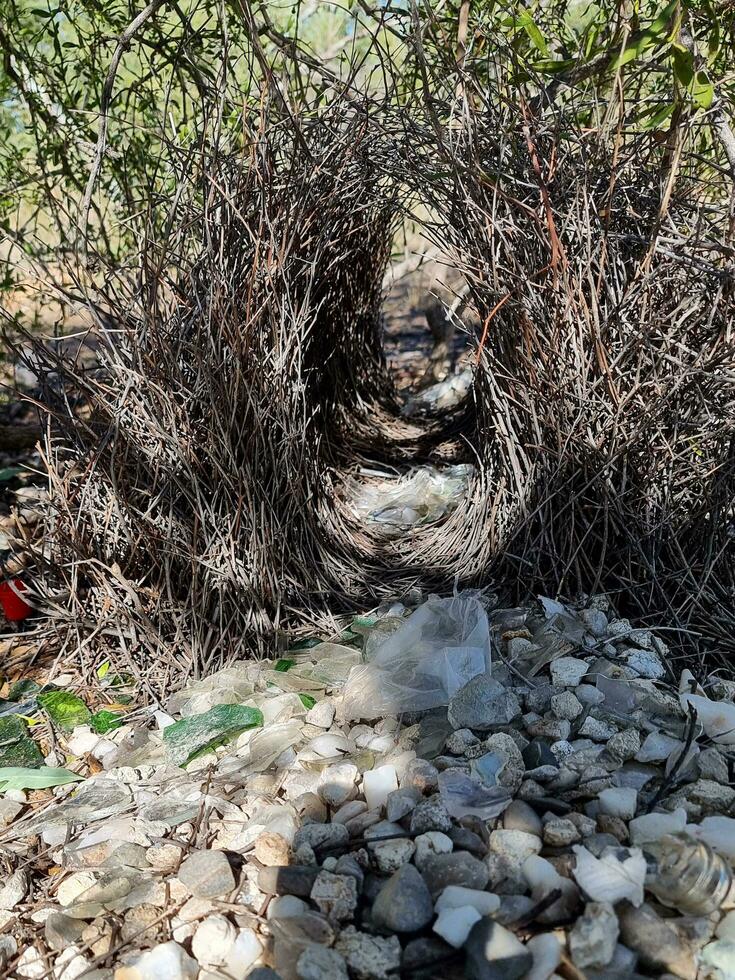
(348, 811)
(597, 729)
(646, 663)
(456, 897)
(454, 925)
(335, 895)
(567, 671)
(164, 857)
(207, 874)
(515, 844)
(31, 964)
(14, 890)
(369, 957)
(566, 705)
(560, 833)
(389, 855)
(243, 954)
(169, 961)
(338, 783)
(619, 802)
(428, 845)
(61, 930)
(520, 816)
(321, 963)
(546, 951)
(594, 936)
(72, 887)
(9, 810)
(657, 747)
(212, 940)
(285, 907)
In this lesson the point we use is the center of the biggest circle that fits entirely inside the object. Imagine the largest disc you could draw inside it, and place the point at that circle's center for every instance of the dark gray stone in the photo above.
(457, 868)
(538, 753)
(482, 704)
(465, 839)
(404, 903)
(296, 879)
(429, 815)
(494, 953)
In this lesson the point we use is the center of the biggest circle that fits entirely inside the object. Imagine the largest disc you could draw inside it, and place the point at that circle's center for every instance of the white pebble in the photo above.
(454, 925)
(212, 940)
(546, 951)
(653, 826)
(619, 801)
(457, 897)
(377, 784)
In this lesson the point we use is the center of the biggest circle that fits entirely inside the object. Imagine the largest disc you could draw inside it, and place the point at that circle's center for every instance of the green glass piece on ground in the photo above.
(65, 710)
(23, 689)
(18, 777)
(103, 722)
(306, 644)
(284, 664)
(190, 735)
(17, 748)
(308, 701)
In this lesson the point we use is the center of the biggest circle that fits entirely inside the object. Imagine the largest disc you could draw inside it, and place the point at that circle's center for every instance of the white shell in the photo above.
(619, 873)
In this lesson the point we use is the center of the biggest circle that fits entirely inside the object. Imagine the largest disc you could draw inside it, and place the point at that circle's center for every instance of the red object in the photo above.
(14, 607)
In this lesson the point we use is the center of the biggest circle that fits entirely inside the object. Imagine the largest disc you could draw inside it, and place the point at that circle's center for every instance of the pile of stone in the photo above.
(529, 827)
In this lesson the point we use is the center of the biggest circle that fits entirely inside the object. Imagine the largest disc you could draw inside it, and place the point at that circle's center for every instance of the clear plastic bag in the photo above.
(444, 394)
(418, 497)
(441, 646)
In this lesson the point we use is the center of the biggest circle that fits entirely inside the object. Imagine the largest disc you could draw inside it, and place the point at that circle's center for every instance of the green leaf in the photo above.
(9, 473)
(190, 735)
(284, 665)
(103, 670)
(18, 777)
(683, 63)
(103, 722)
(531, 28)
(17, 748)
(308, 701)
(702, 89)
(650, 37)
(652, 118)
(65, 710)
(552, 67)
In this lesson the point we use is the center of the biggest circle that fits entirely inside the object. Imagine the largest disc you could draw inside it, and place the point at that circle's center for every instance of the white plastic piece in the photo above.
(377, 784)
(618, 874)
(441, 646)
